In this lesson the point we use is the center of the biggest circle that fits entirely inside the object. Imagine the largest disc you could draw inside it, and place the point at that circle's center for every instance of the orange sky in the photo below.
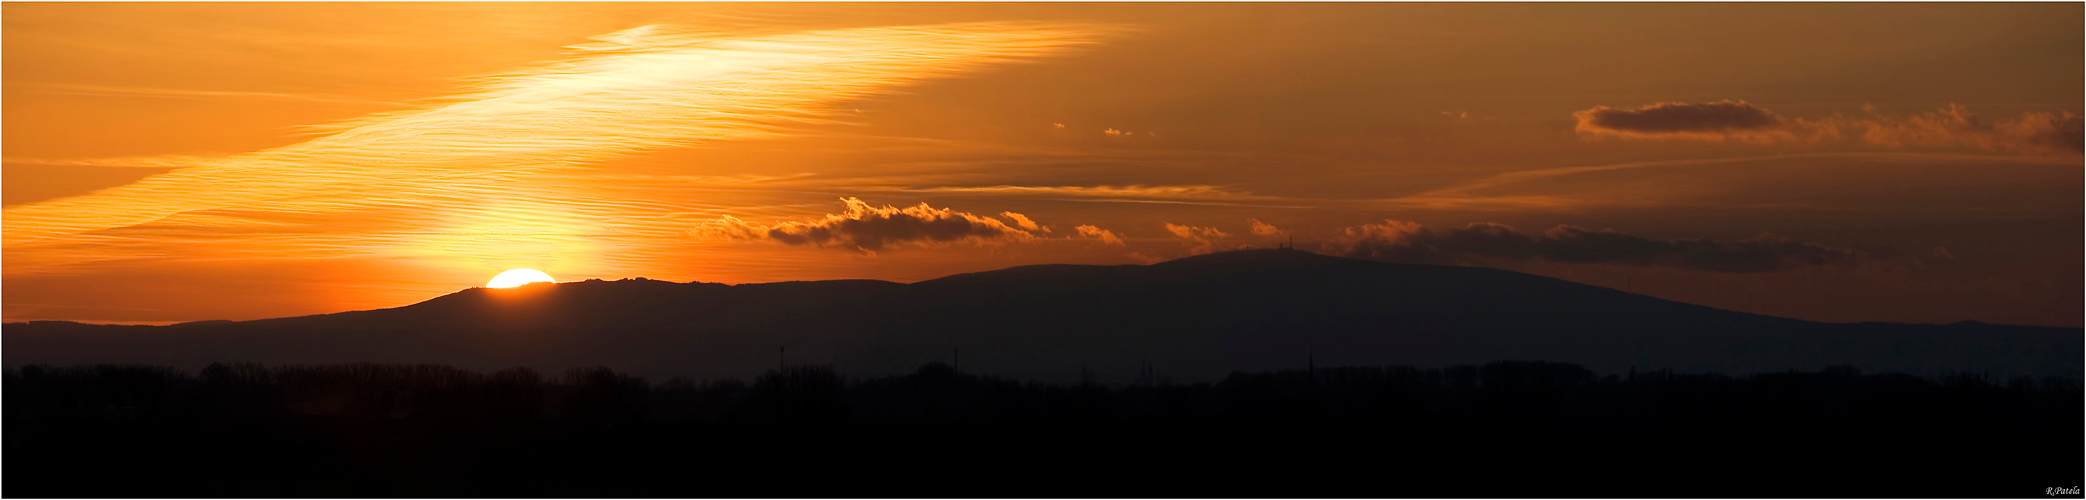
(1837, 162)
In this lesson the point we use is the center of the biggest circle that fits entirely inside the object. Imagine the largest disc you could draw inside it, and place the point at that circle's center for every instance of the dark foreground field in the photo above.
(1508, 429)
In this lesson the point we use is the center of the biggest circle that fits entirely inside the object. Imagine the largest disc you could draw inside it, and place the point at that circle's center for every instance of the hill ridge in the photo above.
(1201, 317)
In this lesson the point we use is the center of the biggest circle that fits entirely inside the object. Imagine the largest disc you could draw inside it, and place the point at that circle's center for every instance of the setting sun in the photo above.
(518, 277)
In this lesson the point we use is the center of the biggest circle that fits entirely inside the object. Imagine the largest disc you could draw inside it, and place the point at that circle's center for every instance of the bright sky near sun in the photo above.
(173, 162)
(518, 277)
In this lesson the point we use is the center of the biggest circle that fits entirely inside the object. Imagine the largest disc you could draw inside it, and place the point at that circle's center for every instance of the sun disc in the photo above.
(518, 277)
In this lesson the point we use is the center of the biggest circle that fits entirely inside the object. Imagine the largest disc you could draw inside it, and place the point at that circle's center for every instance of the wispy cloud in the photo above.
(117, 91)
(2035, 132)
(160, 161)
(1555, 189)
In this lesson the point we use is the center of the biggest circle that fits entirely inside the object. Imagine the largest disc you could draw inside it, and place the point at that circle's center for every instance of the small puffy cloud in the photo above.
(1106, 236)
(1943, 252)
(867, 229)
(2056, 131)
(1115, 133)
(1711, 120)
(1023, 222)
(1195, 233)
(1951, 127)
(1130, 191)
(1200, 240)
(1263, 228)
(1407, 242)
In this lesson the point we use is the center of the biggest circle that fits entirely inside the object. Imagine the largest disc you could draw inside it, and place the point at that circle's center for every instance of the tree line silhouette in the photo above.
(1555, 429)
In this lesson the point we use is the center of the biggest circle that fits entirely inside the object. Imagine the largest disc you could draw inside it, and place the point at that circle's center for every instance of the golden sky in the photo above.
(1838, 162)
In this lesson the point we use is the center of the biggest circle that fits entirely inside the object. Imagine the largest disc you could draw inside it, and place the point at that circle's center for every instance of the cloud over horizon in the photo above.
(1200, 240)
(864, 228)
(1263, 228)
(1411, 243)
(1023, 222)
(1106, 236)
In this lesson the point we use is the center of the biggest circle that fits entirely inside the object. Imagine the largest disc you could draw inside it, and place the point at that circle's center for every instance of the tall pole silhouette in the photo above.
(781, 358)
(1311, 364)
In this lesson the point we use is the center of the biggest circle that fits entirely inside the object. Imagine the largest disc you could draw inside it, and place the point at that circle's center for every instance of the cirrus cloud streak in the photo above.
(404, 183)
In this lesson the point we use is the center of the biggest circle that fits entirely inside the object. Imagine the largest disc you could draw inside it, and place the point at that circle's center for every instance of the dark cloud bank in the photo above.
(1397, 241)
(1724, 116)
(2054, 132)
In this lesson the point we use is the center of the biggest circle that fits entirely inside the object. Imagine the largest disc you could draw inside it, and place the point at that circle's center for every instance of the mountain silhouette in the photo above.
(1192, 319)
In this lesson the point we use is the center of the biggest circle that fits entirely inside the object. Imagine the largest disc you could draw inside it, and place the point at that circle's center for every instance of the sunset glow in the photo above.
(383, 155)
(304, 249)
